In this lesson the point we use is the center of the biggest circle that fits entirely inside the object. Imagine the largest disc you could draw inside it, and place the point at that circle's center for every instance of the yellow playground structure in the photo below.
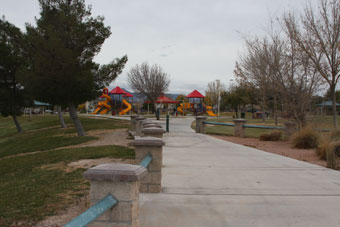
(196, 105)
(103, 106)
(127, 109)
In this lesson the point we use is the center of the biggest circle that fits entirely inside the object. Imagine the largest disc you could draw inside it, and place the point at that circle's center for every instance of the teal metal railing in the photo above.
(244, 126)
(146, 161)
(93, 212)
(103, 205)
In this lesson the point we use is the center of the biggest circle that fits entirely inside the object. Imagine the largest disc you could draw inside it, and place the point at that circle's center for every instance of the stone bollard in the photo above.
(200, 126)
(239, 131)
(153, 132)
(133, 122)
(290, 128)
(154, 146)
(122, 182)
(139, 126)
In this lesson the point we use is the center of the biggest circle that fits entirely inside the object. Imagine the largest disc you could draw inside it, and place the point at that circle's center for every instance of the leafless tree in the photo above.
(275, 62)
(252, 70)
(149, 81)
(317, 35)
(214, 91)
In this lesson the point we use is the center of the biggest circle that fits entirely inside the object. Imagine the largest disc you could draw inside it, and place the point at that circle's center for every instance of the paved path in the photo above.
(210, 182)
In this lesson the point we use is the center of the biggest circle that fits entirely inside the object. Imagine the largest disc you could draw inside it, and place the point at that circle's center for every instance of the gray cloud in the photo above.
(195, 41)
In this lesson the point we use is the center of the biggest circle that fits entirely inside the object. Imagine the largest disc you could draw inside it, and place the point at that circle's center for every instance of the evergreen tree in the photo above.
(12, 94)
(61, 48)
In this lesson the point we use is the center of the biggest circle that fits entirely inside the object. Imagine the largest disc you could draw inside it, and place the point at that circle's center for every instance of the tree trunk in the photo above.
(75, 119)
(275, 110)
(335, 120)
(61, 118)
(30, 114)
(157, 111)
(17, 124)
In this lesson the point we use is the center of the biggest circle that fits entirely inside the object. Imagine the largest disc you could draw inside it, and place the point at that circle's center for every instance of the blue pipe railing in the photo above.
(103, 205)
(263, 127)
(146, 161)
(93, 212)
(217, 123)
(244, 126)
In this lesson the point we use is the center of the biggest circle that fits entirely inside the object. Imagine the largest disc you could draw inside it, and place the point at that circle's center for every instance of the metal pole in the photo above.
(218, 98)
(167, 123)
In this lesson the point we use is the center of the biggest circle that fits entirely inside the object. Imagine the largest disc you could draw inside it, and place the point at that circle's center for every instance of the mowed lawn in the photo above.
(35, 180)
(316, 122)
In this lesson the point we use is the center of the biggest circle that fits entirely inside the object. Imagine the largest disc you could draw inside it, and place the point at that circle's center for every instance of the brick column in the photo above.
(239, 131)
(200, 127)
(139, 126)
(153, 132)
(122, 182)
(154, 146)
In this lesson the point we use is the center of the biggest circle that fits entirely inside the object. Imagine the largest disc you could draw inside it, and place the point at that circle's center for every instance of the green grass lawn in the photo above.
(39, 184)
(44, 133)
(317, 122)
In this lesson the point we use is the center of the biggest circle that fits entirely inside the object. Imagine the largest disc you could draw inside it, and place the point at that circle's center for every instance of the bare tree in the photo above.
(252, 70)
(214, 91)
(285, 69)
(317, 34)
(149, 81)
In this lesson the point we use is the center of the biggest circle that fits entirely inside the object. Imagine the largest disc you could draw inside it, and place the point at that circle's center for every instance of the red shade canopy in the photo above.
(117, 91)
(164, 99)
(127, 94)
(195, 94)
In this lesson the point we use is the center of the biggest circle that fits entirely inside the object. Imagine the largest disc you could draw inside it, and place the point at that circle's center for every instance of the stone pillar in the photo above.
(139, 126)
(290, 128)
(133, 122)
(154, 146)
(153, 132)
(239, 131)
(200, 127)
(122, 182)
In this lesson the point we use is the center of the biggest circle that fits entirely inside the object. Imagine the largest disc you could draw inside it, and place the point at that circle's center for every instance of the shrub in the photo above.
(273, 136)
(305, 138)
(323, 148)
(335, 135)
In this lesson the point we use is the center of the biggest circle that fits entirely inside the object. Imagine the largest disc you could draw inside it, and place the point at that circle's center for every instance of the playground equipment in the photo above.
(118, 101)
(196, 105)
(209, 111)
(128, 107)
(103, 106)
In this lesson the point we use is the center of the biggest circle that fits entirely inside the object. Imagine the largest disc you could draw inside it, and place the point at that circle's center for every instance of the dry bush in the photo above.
(327, 144)
(305, 138)
(273, 136)
(323, 148)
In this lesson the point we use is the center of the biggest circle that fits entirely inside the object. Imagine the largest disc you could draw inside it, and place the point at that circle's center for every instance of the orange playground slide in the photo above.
(186, 106)
(128, 107)
(209, 112)
(103, 107)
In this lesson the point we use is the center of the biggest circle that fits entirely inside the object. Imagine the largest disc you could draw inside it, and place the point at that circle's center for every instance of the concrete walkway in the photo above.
(210, 182)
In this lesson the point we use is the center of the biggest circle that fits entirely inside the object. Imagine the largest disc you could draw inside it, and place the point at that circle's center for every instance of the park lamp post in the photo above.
(218, 97)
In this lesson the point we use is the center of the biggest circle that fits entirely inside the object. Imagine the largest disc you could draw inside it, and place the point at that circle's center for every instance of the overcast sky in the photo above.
(195, 41)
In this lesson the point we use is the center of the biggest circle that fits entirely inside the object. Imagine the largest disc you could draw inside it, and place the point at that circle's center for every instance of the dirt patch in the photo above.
(107, 137)
(88, 163)
(81, 205)
(283, 148)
